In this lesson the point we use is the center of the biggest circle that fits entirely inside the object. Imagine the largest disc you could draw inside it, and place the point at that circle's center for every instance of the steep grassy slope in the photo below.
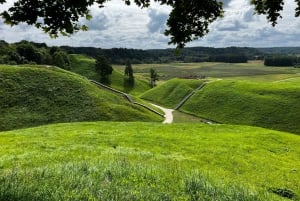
(39, 95)
(170, 93)
(270, 105)
(85, 66)
(117, 82)
(148, 161)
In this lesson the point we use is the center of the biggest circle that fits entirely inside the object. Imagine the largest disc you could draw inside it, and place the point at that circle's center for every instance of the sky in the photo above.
(120, 26)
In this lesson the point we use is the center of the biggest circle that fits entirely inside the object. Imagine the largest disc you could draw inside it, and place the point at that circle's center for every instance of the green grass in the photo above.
(84, 66)
(271, 105)
(181, 117)
(36, 95)
(170, 93)
(148, 161)
(117, 82)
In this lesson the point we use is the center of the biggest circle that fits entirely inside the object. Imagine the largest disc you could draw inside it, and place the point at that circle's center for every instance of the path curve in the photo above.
(168, 114)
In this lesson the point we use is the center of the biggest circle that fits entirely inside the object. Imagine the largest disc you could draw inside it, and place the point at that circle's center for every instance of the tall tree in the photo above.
(153, 77)
(188, 20)
(61, 59)
(103, 68)
(128, 72)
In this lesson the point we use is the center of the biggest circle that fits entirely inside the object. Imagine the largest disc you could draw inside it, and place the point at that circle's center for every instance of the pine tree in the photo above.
(129, 78)
(103, 68)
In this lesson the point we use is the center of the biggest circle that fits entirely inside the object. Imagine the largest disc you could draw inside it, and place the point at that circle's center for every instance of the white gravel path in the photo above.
(168, 114)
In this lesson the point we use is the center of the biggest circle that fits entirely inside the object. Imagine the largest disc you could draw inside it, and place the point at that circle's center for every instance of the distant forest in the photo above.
(25, 52)
(194, 54)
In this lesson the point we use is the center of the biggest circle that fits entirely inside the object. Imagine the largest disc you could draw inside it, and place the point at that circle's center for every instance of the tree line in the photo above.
(282, 60)
(25, 52)
(192, 54)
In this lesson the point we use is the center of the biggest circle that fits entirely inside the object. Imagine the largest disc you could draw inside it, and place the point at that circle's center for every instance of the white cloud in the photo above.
(118, 25)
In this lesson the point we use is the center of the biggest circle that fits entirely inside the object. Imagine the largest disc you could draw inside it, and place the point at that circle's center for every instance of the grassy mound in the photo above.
(170, 93)
(139, 87)
(39, 95)
(148, 161)
(85, 66)
(270, 105)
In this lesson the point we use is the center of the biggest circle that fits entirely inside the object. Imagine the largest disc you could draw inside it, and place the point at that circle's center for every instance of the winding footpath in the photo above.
(168, 114)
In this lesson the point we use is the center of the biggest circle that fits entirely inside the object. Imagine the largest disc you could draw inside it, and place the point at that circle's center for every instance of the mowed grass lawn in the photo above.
(148, 161)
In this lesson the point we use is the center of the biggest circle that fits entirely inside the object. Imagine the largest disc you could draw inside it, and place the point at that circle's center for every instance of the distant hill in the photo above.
(84, 65)
(36, 95)
(192, 54)
(280, 50)
(189, 54)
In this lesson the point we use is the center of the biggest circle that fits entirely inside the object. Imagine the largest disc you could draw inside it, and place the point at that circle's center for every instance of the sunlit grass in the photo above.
(150, 161)
(170, 93)
(31, 96)
(272, 104)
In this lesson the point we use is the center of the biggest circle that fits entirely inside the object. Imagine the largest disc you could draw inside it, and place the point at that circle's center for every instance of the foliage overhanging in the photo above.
(188, 19)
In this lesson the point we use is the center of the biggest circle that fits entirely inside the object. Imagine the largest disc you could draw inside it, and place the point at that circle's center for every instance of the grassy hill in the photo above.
(271, 105)
(170, 93)
(148, 161)
(40, 95)
(83, 65)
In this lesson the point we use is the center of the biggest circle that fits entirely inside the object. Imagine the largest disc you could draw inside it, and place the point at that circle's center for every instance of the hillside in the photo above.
(84, 66)
(35, 95)
(148, 161)
(272, 105)
(170, 93)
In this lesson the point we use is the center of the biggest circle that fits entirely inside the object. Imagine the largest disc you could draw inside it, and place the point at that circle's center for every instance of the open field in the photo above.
(220, 70)
(148, 161)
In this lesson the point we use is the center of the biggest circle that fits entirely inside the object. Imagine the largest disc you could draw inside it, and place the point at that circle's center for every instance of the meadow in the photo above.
(148, 161)
(117, 155)
(254, 70)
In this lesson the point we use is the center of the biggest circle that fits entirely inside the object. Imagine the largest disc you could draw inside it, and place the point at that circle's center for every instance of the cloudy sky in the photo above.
(118, 25)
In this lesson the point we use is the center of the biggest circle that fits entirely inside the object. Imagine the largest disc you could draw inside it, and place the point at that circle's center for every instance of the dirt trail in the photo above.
(168, 114)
